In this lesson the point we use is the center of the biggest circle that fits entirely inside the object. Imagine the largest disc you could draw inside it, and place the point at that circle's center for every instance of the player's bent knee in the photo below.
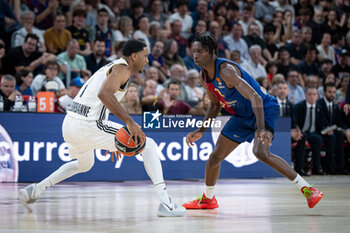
(85, 165)
(261, 155)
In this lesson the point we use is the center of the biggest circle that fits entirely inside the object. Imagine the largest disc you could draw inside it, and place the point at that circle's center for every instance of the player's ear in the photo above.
(133, 56)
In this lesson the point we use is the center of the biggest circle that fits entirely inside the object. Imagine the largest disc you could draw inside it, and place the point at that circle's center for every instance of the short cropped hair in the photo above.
(174, 81)
(8, 77)
(31, 35)
(133, 46)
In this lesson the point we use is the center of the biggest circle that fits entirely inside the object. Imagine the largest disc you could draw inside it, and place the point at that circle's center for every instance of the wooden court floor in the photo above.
(246, 205)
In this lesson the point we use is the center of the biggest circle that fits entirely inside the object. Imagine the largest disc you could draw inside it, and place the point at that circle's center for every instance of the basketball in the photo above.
(124, 145)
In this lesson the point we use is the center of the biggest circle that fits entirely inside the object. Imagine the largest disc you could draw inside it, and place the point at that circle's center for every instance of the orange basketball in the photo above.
(124, 145)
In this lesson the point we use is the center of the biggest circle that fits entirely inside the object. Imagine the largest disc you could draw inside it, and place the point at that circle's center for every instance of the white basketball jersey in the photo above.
(86, 105)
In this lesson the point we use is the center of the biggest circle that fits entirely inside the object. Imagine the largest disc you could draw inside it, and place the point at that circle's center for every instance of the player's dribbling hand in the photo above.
(193, 136)
(264, 136)
(117, 154)
(135, 130)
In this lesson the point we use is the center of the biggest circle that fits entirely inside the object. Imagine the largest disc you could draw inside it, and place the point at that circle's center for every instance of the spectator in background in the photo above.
(326, 68)
(306, 36)
(25, 57)
(309, 66)
(312, 81)
(263, 10)
(200, 12)
(171, 55)
(235, 42)
(153, 74)
(102, 31)
(194, 92)
(334, 139)
(79, 32)
(66, 100)
(286, 107)
(149, 98)
(338, 44)
(271, 71)
(96, 59)
(118, 52)
(157, 14)
(271, 53)
(330, 78)
(343, 89)
(155, 57)
(253, 37)
(181, 14)
(332, 26)
(175, 34)
(8, 91)
(324, 49)
(125, 29)
(51, 69)
(296, 48)
(308, 119)
(170, 104)
(76, 62)
(254, 66)
(154, 32)
(138, 10)
(236, 56)
(342, 67)
(247, 19)
(284, 64)
(27, 20)
(24, 79)
(296, 94)
(131, 101)
(142, 31)
(177, 73)
(318, 26)
(215, 30)
(45, 12)
(57, 37)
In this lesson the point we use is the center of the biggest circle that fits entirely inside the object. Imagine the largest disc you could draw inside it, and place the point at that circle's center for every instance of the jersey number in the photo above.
(83, 91)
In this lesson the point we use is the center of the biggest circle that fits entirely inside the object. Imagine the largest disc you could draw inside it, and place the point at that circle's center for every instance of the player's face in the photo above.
(141, 59)
(200, 55)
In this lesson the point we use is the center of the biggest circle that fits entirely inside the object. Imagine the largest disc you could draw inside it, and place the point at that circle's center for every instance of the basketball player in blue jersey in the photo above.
(254, 113)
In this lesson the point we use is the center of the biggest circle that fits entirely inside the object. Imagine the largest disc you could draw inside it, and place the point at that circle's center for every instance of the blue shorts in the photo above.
(242, 129)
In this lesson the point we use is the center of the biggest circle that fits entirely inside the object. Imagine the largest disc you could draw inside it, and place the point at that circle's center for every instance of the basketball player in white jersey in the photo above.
(86, 127)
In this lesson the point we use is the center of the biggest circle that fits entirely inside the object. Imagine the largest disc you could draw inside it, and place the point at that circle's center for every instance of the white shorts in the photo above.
(83, 137)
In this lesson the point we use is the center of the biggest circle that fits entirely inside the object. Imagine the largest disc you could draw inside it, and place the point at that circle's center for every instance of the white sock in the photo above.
(65, 171)
(300, 182)
(83, 164)
(209, 191)
(154, 170)
(162, 193)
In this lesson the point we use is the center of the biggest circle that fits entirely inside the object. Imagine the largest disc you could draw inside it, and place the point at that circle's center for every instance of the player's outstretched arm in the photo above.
(119, 76)
(233, 79)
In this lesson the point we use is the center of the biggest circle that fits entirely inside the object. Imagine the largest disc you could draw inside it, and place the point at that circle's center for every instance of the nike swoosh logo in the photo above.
(171, 209)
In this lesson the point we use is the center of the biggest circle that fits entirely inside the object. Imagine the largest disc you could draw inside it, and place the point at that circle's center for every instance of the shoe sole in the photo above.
(172, 215)
(199, 207)
(23, 196)
(314, 203)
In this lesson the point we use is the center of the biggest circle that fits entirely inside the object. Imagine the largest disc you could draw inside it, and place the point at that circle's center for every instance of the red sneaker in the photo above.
(202, 203)
(313, 196)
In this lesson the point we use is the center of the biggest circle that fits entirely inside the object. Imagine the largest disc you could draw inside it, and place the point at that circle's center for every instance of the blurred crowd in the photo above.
(298, 50)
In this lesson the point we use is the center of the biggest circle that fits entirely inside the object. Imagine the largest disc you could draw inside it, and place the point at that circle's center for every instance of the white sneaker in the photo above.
(27, 197)
(170, 209)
